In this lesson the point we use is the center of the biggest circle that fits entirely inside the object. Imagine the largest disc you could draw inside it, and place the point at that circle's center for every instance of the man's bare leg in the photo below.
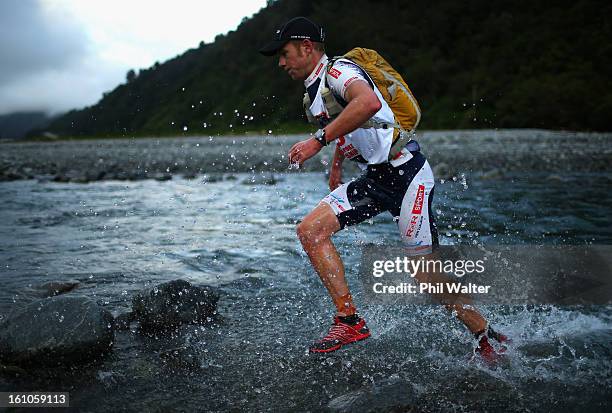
(458, 304)
(461, 305)
(474, 321)
(315, 233)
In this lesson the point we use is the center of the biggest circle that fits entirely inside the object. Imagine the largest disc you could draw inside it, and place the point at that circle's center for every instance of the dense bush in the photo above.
(471, 64)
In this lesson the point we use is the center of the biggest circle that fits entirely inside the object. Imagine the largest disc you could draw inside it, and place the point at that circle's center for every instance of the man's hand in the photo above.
(335, 176)
(304, 150)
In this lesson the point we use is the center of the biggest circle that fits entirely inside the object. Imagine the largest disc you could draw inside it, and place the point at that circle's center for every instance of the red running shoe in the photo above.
(486, 350)
(500, 338)
(341, 334)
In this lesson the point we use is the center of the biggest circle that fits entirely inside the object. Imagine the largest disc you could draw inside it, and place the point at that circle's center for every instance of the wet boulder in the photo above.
(171, 304)
(13, 174)
(52, 288)
(389, 395)
(56, 331)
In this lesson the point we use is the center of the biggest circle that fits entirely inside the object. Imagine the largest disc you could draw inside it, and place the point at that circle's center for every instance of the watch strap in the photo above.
(320, 137)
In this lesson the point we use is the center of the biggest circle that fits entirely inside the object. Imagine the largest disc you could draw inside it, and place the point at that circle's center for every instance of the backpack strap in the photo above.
(309, 116)
(400, 141)
(333, 103)
(334, 107)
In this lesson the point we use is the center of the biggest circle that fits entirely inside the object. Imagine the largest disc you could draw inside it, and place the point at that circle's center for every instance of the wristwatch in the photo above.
(320, 137)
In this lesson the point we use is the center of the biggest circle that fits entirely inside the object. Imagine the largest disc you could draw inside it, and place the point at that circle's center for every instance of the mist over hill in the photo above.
(17, 124)
(473, 64)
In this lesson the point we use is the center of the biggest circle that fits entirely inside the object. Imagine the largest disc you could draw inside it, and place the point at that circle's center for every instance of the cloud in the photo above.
(34, 39)
(40, 48)
(57, 55)
(55, 91)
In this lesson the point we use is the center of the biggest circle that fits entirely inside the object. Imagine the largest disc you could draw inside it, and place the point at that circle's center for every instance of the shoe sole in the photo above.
(337, 347)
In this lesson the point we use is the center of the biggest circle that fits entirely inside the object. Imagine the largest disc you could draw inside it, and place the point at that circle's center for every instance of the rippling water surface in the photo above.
(117, 237)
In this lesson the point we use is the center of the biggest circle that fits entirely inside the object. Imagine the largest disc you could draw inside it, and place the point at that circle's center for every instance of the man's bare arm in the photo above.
(362, 105)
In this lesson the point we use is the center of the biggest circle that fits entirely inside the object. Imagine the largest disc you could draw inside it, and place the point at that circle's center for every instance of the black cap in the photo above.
(298, 28)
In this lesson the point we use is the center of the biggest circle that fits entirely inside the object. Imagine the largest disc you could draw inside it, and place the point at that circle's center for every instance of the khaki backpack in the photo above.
(393, 89)
(391, 85)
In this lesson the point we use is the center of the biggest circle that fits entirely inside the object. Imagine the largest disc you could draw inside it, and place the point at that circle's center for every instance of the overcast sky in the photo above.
(57, 55)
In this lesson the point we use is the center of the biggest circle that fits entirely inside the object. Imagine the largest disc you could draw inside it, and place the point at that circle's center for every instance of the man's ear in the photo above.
(308, 46)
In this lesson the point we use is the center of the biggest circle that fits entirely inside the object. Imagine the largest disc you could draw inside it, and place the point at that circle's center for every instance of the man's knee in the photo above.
(309, 233)
(305, 233)
(300, 230)
(318, 226)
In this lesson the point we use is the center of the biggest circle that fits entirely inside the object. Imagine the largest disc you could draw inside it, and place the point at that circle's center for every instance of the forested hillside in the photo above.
(471, 64)
(16, 125)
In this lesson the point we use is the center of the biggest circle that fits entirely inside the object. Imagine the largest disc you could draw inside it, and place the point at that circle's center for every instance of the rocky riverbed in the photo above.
(491, 153)
(103, 248)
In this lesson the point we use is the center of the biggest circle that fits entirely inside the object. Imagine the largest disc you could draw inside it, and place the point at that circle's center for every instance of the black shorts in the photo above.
(406, 191)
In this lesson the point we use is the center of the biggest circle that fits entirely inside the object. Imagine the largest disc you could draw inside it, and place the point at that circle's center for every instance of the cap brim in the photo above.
(271, 48)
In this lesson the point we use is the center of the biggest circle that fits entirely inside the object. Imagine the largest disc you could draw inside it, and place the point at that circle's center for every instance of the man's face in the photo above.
(293, 59)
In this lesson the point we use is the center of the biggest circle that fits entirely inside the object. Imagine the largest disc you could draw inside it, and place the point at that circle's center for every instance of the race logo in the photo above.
(335, 201)
(416, 221)
(335, 73)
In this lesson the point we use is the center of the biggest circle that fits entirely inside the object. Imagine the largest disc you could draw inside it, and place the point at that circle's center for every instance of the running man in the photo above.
(398, 180)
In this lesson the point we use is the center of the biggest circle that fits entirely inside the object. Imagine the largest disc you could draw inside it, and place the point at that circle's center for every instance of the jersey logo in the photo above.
(414, 226)
(335, 73)
(348, 82)
(418, 202)
(349, 151)
(319, 69)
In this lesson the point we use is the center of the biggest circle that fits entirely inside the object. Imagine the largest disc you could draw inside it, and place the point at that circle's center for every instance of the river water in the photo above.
(234, 232)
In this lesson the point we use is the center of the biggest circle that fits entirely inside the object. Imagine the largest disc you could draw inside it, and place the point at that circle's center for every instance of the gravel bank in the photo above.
(490, 153)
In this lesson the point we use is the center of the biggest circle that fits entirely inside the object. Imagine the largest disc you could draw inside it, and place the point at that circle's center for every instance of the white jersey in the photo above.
(366, 146)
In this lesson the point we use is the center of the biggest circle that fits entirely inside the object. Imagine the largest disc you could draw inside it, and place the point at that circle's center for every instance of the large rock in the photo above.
(57, 330)
(169, 305)
(390, 395)
(51, 289)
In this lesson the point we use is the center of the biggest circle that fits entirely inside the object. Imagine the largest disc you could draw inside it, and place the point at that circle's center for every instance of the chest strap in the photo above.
(401, 137)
